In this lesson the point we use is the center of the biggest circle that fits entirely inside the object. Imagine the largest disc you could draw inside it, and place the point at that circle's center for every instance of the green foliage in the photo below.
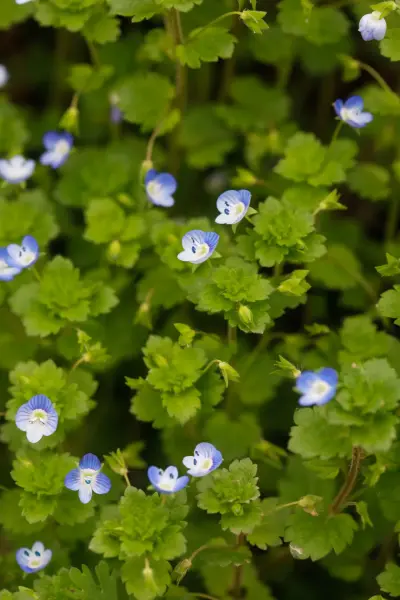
(206, 45)
(389, 580)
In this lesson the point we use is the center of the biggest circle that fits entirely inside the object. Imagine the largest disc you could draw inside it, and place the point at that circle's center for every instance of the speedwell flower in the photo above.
(168, 481)
(33, 560)
(198, 246)
(160, 187)
(4, 76)
(351, 112)
(7, 270)
(206, 459)
(37, 417)
(317, 387)
(16, 169)
(116, 115)
(58, 147)
(372, 27)
(87, 479)
(25, 255)
(233, 206)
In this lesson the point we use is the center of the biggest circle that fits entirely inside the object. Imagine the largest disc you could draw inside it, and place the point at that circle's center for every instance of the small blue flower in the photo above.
(25, 255)
(16, 169)
(7, 269)
(87, 479)
(22, 1)
(167, 482)
(317, 388)
(37, 417)
(198, 246)
(33, 560)
(351, 112)
(372, 27)
(160, 187)
(4, 76)
(206, 459)
(233, 206)
(58, 147)
(116, 114)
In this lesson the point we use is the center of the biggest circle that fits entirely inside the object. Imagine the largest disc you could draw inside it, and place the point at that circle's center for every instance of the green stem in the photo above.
(196, 32)
(36, 273)
(210, 364)
(181, 72)
(94, 55)
(392, 219)
(232, 336)
(378, 78)
(79, 362)
(350, 482)
(236, 589)
(336, 133)
(200, 595)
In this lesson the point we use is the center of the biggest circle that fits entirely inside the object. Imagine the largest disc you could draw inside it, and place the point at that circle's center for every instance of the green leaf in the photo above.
(389, 304)
(362, 509)
(105, 220)
(272, 528)
(317, 536)
(389, 580)
(186, 334)
(390, 45)
(254, 20)
(206, 45)
(144, 98)
(295, 284)
(392, 267)
(85, 78)
(101, 28)
(146, 580)
(338, 269)
(369, 181)
(137, 9)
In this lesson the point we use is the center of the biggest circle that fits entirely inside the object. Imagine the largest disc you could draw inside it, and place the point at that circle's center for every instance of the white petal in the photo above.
(34, 432)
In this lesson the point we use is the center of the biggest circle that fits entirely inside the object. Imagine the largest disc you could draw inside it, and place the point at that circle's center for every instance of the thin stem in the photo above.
(210, 364)
(200, 595)
(228, 68)
(336, 133)
(36, 273)
(232, 336)
(152, 139)
(378, 78)
(392, 219)
(282, 506)
(350, 482)
(94, 55)
(196, 32)
(181, 72)
(238, 571)
(125, 475)
(80, 361)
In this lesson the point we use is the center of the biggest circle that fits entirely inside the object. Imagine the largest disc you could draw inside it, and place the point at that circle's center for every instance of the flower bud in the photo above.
(69, 120)
(114, 250)
(245, 315)
(228, 372)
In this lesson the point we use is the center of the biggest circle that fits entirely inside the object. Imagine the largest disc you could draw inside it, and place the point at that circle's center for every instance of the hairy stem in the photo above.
(350, 482)
(237, 572)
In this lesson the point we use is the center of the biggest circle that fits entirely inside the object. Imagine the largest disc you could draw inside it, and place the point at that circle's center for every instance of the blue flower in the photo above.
(16, 169)
(372, 27)
(160, 187)
(198, 246)
(25, 255)
(37, 417)
(87, 479)
(33, 560)
(233, 206)
(7, 270)
(351, 112)
(4, 76)
(22, 1)
(116, 114)
(206, 459)
(317, 388)
(58, 147)
(167, 482)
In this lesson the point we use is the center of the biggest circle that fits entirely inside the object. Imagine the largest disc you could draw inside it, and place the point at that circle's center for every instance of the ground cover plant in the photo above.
(199, 299)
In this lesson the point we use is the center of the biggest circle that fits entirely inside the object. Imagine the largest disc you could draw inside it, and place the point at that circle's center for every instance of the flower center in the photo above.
(206, 464)
(154, 188)
(350, 114)
(320, 388)
(25, 257)
(38, 415)
(200, 249)
(88, 476)
(61, 147)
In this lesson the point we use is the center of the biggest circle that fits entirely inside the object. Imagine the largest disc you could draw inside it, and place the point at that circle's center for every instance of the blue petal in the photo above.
(38, 547)
(50, 139)
(195, 234)
(171, 472)
(90, 461)
(327, 397)
(231, 197)
(362, 120)
(329, 375)
(23, 416)
(154, 474)
(41, 402)
(305, 380)
(211, 239)
(101, 484)
(168, 182)
(245, 197)
(207, 450)
(354, 102)
(72, 480)
(150, 175)
(22, 559)
(307, 400)
(181, 483)
(30, 244)
(52, 159)
(338, 105)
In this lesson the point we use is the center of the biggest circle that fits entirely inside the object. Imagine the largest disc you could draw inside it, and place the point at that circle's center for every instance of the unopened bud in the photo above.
(114, 249)
(145, 166)
(160, 360)
(309, 504)
(228, 372)
(69, 120)
(181, 569)
(245, 315)
(237, 509)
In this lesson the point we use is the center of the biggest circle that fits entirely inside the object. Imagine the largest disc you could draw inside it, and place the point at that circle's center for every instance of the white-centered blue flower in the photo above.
(4, 76)
(35, 559)
(233, 206)
(37, 418)
(87, 479)
(351, 112)
(7, 271)
(372, 27)
(160, 187)
(16, 169)
(206, 459)
(58, 147)
(25, 255)
(168, 481)
(22, 1)
(198, 246)
(318, 387)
